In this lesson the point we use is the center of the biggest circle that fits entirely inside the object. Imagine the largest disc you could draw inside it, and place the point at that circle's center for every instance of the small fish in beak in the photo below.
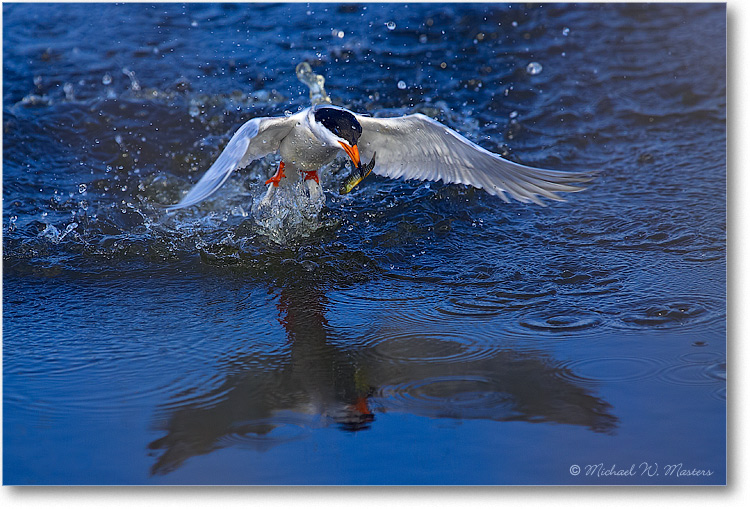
(358, 175)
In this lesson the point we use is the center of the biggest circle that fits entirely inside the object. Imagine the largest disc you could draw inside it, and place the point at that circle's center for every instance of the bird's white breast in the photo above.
(303, 150)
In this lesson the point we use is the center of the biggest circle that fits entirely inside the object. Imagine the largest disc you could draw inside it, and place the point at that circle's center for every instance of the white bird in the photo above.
(411, 147)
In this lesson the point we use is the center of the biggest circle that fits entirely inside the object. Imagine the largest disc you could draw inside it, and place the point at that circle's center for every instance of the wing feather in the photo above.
(255, 139)
(418, 147)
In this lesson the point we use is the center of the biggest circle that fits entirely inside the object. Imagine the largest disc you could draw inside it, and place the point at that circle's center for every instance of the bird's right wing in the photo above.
(418, 147)
(255, 139)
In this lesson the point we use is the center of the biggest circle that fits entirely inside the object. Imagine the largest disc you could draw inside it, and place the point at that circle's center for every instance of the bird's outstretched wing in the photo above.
(255, 139)
(418, 147)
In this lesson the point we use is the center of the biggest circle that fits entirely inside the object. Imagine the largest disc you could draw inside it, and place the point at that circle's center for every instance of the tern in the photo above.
(411, 147)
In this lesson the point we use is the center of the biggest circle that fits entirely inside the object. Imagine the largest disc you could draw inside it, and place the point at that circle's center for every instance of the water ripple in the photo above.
(449, 396)
(109, 398)
(401, 348)
(560, 320)
(493, 302)
(282, 428)
(613, 369)
(701, 357)
(694, 374)
(669, 312)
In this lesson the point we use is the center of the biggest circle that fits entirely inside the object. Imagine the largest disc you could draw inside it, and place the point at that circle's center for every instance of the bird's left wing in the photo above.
(418, 147)
(255, 139)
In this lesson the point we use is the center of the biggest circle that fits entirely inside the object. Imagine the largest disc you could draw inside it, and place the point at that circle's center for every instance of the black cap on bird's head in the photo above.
(341, 123)
(344, 125)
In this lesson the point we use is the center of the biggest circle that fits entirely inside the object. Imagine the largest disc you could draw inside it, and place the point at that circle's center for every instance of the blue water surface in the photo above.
(416, 332)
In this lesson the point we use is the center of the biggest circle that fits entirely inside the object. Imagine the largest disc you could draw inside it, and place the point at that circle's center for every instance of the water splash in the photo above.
(315, 82)
(289, 211)
(52, 234)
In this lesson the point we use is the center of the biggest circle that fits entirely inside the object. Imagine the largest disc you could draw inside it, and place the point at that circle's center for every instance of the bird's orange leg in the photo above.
(312, 175)
(277, 176)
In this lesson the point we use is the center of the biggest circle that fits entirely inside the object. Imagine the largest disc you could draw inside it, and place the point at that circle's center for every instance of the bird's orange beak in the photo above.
(352, 152)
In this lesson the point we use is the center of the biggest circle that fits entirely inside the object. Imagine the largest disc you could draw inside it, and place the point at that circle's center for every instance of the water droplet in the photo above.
(107, 79)
(391, 25)
(513, 114)
(402, 85)
(423, 38)
(534, 68)
(68, 89)
(194, 23)
(515, 23)
(194, 111)
(443, 65)
(118, 139)
(82, 188)
(566, 31)
(287, 113)
(134, 85)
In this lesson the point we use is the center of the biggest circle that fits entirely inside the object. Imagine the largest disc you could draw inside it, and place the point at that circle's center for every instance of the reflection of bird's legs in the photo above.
(360, 405)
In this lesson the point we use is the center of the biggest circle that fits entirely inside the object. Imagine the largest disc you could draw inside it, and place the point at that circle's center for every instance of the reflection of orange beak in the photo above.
(352, 152)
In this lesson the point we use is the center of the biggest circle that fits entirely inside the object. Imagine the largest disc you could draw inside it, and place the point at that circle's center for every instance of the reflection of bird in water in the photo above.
(323, 376)
(411, 147)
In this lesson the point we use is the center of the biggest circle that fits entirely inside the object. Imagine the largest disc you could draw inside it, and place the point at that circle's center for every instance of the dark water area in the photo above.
(416, 333)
